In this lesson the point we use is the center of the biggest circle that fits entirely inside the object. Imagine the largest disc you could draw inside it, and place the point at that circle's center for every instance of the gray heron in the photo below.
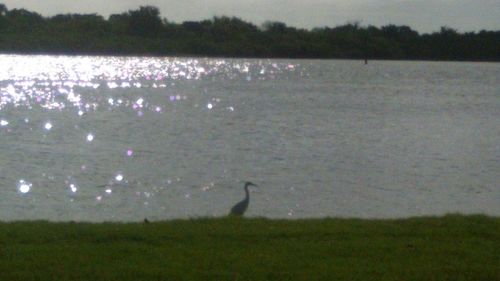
(240, 207)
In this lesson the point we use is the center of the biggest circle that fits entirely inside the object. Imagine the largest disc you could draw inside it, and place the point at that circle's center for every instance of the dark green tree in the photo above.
(3, 10)
(145, 22)
(3, 13)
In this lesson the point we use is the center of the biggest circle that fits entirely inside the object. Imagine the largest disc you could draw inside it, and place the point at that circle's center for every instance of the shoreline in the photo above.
(340, 219)
(194, 56)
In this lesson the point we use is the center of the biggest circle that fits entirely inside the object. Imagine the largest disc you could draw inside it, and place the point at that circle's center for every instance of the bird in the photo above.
(240, 207)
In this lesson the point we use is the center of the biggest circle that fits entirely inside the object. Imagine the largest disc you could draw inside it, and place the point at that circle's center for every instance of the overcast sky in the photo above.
(421, 15)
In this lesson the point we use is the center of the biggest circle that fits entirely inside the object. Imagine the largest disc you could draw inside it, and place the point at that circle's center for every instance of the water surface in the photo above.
(123, 138)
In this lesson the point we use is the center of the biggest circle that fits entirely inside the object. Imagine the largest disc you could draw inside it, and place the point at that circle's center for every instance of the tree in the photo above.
(145, 22)
(400, 33)
(23, 20)
(274, 26)
(3, 10)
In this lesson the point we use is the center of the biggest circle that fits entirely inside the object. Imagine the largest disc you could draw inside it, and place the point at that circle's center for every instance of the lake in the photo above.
(124, 138)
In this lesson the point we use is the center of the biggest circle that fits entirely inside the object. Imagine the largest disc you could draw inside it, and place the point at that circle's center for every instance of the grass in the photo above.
(452, 247)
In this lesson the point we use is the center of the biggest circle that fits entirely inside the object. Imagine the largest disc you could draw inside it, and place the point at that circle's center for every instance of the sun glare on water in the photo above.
(57, 101)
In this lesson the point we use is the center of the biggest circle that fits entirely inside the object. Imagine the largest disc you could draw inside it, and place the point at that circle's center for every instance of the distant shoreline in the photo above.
(228, 57)
(143, 32)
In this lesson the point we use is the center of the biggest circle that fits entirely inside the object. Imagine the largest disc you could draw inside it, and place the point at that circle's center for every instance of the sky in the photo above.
(422, 15)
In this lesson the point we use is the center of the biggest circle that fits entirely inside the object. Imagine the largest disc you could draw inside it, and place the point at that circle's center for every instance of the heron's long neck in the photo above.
(247, 194)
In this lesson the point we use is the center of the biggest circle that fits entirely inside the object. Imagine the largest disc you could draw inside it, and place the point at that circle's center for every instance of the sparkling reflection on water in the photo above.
(123, 138)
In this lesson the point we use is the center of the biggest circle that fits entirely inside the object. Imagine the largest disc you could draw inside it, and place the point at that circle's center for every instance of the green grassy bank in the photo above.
(453, 247)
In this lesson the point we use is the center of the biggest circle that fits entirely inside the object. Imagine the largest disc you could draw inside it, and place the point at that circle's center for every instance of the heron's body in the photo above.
(240, 207)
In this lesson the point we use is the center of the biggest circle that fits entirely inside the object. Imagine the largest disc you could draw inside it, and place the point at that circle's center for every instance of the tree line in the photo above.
(144, 32)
